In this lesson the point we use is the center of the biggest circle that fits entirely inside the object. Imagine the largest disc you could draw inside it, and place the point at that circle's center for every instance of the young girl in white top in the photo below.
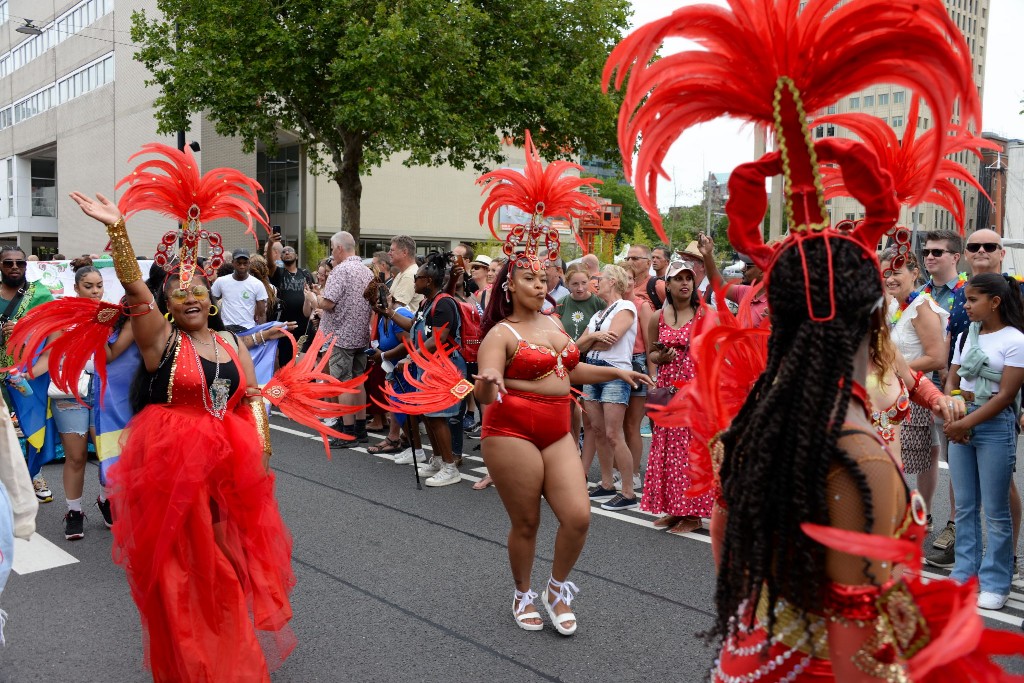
(987, 373)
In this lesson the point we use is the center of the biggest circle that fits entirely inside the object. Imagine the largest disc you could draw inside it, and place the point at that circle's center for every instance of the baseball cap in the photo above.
(677, 266)
(239, 253)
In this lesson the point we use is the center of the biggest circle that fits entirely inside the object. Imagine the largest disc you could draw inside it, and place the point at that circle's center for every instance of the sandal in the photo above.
(388, 445)
(685, 526)
(519, 604)
(483, 483)
(566, 592)
(666, 521)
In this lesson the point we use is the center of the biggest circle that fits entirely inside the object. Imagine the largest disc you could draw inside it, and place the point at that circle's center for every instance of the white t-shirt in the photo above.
(238, 299)
(1004, 348)
(621, 354)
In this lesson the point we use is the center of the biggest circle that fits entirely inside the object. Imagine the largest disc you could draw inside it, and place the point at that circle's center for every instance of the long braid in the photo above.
(783, 444)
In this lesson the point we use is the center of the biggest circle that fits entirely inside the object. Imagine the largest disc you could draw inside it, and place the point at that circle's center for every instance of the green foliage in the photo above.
(358, 81)
(635, 221)
(315, 249)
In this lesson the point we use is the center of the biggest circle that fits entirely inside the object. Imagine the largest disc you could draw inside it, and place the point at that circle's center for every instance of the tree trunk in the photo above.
(346, 175)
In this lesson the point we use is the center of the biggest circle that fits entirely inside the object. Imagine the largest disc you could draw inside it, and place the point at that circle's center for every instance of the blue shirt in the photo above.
(952, 299)
(388, 332)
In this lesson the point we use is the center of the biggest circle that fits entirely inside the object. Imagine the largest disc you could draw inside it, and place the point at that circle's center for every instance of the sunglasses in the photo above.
(637, 258)
(11, 263)
(200, 292)
(975, 247)
(936, 253)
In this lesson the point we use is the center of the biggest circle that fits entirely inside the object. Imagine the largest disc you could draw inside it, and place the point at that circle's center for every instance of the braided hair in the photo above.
(783, 443)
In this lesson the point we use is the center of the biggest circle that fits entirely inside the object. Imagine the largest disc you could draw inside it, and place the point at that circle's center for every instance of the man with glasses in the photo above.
(941, 257)
(985, 254)
(17, 297)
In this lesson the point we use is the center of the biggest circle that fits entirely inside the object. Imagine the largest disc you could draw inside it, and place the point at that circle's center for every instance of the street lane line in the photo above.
(38, 554)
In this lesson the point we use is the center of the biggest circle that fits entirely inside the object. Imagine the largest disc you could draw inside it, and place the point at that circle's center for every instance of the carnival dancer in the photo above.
(196, 525)
(817, 511)
(526, 364)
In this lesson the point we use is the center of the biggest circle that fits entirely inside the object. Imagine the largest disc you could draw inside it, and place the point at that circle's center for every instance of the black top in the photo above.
(151, 387)
(291, 291)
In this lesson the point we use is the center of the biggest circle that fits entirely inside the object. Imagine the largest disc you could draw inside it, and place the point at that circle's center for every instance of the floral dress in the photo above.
(667, 463)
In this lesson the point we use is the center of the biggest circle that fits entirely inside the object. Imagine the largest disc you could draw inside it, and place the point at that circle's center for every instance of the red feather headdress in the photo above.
(769, 62)
(543, 193)
(173, 187)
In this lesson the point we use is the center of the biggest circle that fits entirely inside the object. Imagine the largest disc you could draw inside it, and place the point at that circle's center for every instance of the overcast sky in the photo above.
(722, 145)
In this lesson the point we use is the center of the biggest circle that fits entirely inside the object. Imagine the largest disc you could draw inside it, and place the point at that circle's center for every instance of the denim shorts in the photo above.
(454, 409)
(72, 417)
(614, 391)
(639, 365)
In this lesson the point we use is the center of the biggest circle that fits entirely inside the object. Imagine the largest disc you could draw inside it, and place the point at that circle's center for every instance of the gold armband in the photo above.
(121, 252)
(259, 413)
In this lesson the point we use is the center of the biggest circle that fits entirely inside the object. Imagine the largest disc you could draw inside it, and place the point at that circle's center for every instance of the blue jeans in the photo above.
(981, 471)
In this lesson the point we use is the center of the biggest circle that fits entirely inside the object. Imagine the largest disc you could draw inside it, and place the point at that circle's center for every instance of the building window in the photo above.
(883, 99)
(44, 188)
(897, 121)
(885, 119)
(6, 120)
(86, 79)
(831, 109)
(10, 187)
(34, 104)
(869, 100)
(830, 131)
(819, 132)
(71, 22)
(898, 96)
(3, 12)
(854, 103)
(851, 216)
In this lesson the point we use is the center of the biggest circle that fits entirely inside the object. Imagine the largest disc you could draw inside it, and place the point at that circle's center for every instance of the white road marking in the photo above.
(37, 554)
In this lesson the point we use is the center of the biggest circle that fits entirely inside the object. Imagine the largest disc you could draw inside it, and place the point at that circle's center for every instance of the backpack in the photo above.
(470, 321)
(652, 292)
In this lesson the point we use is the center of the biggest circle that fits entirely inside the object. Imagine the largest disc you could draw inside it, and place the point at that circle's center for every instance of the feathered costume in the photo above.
(542, 192)
(196, 526)
(772, 62)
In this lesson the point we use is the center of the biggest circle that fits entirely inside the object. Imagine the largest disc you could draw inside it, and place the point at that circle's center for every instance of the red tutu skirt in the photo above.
(208, 558)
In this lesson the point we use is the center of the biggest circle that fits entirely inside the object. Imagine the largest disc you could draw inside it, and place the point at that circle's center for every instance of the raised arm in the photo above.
(150, 329)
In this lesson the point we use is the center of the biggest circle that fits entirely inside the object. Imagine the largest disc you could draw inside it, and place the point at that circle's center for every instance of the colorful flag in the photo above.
(36, 420)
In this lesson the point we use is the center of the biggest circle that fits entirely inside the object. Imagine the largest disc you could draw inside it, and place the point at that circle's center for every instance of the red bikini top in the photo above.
(533, 362)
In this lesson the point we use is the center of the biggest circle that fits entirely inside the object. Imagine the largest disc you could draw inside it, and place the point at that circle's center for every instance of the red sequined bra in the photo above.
(533, 362)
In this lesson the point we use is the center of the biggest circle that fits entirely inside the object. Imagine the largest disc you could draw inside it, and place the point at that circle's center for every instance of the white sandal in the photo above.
(519, 604)
(566, 592)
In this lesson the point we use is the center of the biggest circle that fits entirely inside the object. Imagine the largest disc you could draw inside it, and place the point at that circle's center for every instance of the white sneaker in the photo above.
(448, 474)
(329, 421)
(992, 601)
(432, 466)
(637, 485)
(405, 457)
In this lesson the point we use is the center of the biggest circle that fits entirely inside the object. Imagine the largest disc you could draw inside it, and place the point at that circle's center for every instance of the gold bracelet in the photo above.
(259, 413)
(126, 266)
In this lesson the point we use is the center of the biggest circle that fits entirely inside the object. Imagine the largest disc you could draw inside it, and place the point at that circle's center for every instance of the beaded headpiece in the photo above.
(544, 194)
(173, 187)
(771, 62)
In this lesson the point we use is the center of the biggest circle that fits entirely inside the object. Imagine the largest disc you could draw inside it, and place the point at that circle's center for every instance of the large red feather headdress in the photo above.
(173, 187)
(770, 63)
(544, 194)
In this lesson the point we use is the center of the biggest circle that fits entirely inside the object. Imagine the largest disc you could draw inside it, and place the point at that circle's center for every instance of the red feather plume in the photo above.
(441, 385)
(826, 51)
(960, 647)
(83, 326)
(172, 186)
(302, 391)
(548, 192)
(908, 160)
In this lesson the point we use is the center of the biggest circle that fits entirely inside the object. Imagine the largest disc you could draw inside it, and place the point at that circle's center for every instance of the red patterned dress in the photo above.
(668, 468)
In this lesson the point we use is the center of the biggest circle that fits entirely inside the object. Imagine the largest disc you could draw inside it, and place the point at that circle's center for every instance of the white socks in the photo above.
(104, 492)
(75, 505)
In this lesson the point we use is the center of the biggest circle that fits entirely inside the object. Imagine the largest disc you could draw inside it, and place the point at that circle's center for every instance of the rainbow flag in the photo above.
(113, 414)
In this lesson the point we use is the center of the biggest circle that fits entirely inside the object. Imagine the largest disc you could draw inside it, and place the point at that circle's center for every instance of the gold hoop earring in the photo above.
(214, 310)
(168, 317)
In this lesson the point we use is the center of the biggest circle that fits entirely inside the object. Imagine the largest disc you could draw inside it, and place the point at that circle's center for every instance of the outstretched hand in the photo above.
(635, 379)
(490, 376)
(101, 208)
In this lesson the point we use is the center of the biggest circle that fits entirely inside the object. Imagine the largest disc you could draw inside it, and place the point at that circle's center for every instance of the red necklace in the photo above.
(861, 394)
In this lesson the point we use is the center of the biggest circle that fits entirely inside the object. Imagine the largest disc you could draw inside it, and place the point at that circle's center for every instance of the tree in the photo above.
(633, 221)
(359, 81)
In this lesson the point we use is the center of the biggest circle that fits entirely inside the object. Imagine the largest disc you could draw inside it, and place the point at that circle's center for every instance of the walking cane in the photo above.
(415, 444)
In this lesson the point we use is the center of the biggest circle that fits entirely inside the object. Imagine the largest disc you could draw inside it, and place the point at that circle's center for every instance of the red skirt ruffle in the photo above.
(743, 658)
(208, 558)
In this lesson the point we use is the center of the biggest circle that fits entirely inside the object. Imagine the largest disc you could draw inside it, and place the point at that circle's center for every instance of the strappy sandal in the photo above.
(685, 526)
(483, 483)
(388, 445)
(566, 592)
(520, 602)
(666, 521)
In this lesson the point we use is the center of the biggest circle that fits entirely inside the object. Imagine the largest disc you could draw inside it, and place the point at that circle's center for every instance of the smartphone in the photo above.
(276, 230)
(460, 261)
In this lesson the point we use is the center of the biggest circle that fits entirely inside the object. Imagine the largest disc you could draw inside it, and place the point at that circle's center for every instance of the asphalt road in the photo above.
(394, 584)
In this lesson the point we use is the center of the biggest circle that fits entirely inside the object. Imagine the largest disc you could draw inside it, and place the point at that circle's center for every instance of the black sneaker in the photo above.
(74, 525)
(942, 558)
(104, 507)
(335, 442)
(362, 438)
(601, 492)
(620, 502)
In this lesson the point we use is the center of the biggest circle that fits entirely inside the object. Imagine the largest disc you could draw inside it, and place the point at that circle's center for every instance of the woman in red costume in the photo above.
(196, 526)
(817, 511)
(527, 362)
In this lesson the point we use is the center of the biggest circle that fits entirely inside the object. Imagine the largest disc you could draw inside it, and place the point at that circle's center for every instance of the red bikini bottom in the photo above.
(538, 418)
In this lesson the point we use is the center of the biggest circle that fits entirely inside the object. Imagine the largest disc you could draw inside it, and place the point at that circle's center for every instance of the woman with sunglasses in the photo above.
(196, 525)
